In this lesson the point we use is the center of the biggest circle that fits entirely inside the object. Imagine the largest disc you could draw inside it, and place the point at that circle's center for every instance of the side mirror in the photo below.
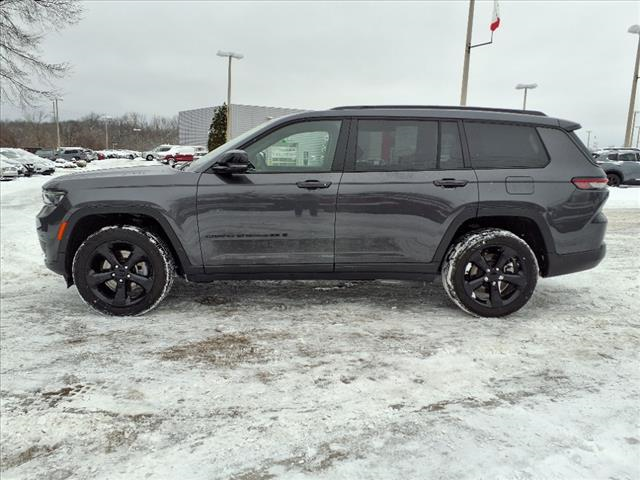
(233, 161)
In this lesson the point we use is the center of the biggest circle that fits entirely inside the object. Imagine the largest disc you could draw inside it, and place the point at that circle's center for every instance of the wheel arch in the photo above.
(86, 222)
(616, 171)
(532, 230)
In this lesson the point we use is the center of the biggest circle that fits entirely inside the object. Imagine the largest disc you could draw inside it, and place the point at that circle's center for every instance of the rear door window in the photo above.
(396, 145)
(407, 145)
(627, 157)
(494, 145)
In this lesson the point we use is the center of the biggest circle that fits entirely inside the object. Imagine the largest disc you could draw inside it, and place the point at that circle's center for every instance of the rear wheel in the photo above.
(490, 273)
(149, 158)
(613, 180)
(123, 270)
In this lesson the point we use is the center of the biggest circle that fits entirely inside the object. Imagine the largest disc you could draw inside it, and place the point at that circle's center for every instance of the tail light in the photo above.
(590, 183)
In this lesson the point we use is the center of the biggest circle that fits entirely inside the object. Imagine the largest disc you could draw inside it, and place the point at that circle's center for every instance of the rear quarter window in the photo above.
(494, 145)
(563, 146)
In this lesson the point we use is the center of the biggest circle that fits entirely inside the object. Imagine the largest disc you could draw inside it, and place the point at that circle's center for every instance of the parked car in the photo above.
(39, 165)
(200, 151)
(155, 153)
(489, 199)
(15, 155)
(130, 154)
(90, 155)
(622, 166)
(22, 171)
(8, 171)
(60, 162)
(43, 166)
(71, 153)
(31, 149)
(49, 154)
(180, 154)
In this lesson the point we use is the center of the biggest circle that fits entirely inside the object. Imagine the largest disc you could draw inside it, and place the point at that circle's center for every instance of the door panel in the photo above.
(260, 221)
(397, 217)
(405, 184)
(281, 215)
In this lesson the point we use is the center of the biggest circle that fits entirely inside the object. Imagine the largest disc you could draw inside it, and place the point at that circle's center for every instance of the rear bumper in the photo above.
(573, 262)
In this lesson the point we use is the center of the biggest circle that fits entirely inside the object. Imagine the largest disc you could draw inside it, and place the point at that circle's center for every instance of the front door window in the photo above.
(301, 147)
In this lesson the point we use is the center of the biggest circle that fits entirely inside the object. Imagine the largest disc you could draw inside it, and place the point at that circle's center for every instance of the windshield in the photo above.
(230, 145)
(10, 154)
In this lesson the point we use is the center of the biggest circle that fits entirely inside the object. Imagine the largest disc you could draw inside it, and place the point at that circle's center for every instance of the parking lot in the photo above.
(325, 380)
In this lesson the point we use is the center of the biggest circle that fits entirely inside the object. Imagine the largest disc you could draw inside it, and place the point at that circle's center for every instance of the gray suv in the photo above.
(489, 199)
(73, 154)
(621, 166)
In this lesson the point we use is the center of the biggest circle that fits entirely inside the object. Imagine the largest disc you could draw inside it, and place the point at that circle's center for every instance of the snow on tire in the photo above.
(123, 270)
(490, 273)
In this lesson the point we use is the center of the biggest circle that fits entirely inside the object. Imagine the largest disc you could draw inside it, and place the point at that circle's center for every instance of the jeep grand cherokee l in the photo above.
(488, 199)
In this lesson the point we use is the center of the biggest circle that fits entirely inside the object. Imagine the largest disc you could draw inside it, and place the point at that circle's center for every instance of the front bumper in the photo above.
(48, 221)
(573, 262)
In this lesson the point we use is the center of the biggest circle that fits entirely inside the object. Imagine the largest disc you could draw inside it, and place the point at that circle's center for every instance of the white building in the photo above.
(193, 125)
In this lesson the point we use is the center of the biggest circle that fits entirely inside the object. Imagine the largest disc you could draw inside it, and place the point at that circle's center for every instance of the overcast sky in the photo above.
(159, 57)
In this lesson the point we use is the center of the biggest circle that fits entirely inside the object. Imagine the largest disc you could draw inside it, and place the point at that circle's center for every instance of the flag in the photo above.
(495, 20)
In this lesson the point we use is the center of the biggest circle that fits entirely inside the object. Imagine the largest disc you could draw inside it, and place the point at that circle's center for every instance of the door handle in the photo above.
(450, 183)
(313, 184)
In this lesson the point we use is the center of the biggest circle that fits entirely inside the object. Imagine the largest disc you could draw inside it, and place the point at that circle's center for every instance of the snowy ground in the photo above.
(323, 380)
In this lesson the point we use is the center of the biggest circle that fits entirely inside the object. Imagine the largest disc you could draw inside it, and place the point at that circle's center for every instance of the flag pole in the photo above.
(467, 54)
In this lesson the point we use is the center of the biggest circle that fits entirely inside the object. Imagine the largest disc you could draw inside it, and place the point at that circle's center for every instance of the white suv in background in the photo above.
(157, 153)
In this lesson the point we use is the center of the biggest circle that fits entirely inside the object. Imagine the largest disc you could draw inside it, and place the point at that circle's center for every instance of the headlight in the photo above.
(52, 197)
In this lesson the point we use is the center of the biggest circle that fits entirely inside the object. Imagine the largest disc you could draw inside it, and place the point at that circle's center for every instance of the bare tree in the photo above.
(24, 76)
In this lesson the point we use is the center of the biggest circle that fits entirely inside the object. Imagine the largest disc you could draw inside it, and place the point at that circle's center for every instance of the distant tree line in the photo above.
(130, 131)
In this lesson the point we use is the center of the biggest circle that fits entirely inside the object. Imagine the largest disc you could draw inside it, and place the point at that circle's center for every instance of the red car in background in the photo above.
(184, 154)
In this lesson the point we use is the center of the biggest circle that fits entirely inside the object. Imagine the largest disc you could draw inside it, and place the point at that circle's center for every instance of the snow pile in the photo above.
(322, 380)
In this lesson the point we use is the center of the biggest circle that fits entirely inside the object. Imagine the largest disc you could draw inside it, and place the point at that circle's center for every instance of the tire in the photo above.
(112, 283)
(490, 273)
(613, 180)
(171, 162)
(149, 158)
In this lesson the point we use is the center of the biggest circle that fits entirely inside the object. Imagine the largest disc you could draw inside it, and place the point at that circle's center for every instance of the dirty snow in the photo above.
(323, 380)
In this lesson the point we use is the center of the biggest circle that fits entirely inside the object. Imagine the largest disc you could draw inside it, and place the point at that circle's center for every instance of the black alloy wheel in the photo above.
(123, 270)
(121, 273)
(490, 273)
(495, 277)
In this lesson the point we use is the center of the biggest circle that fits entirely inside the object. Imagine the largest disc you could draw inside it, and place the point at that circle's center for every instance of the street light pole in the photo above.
(106, 132)
(525, 87)
(633, 126)
(467, 55)
(229, 55)
(57, 119)
(635, 29)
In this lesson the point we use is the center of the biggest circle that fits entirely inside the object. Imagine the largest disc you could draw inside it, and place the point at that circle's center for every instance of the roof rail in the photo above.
(441, 107)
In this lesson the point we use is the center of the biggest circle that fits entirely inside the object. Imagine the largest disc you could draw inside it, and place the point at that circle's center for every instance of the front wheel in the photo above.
(490, 273)
(123, 270)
